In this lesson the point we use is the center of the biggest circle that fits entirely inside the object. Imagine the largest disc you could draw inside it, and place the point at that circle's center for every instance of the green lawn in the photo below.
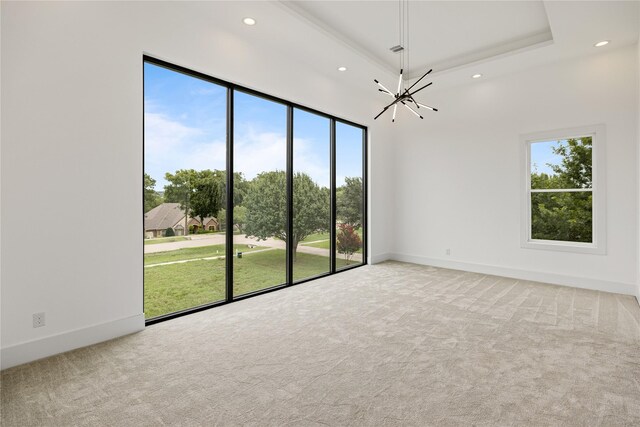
(316, 236)
(175, 287)
(322, 236)
(164, 240)
(193, 253)
(325, 245)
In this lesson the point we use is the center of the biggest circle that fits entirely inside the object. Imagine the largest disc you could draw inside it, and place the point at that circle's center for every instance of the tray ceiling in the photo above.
(442, 35)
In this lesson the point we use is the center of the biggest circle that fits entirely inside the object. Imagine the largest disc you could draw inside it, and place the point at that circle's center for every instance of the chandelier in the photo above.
(404, 96)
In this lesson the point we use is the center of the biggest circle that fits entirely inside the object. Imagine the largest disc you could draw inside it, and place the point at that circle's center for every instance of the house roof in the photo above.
(163, 216)
(168, 215)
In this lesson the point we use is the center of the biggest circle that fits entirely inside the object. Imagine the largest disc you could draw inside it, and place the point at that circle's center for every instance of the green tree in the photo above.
(207, 198)
(347, 241)
(239, 217)
(562, 215)
(240, 187)
(266, 204)
(151, 197)
(169, 232)
(180, 189)
(200, 193)
(349, 202)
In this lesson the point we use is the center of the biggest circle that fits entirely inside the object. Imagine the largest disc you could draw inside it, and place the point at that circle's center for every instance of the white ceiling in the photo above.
(457, 39)
(441, 35)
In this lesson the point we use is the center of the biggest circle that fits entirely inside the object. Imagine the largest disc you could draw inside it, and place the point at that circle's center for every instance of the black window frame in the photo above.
(290, 106)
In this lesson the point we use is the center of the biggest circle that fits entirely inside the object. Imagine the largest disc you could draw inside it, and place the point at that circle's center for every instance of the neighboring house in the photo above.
(170, 215)
(211, 224)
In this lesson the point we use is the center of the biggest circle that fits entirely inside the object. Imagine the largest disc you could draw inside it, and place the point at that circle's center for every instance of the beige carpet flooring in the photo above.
(390, 344)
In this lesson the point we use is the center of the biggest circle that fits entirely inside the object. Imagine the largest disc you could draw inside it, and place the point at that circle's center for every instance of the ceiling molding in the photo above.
(330, 31)
(502, 50)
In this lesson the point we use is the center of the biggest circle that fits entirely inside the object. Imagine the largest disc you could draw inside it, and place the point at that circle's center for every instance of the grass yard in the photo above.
(174, 287)
(164, 240)
(325, 245)
(193, 253)
(316, 236)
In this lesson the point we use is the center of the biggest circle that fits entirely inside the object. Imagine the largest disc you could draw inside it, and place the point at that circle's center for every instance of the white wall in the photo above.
(458, 171)
(638, 167)
(72, 154)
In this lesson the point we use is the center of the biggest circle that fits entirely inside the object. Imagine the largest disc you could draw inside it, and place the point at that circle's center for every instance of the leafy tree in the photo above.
(239, 217)
(200, 193)
(266, 206)
(151, 197)
(349, 202)
(180, 189)
(222, 218)
(169, 232)
(565, 216)
(207, 198)
(240, 187)
(348, 241)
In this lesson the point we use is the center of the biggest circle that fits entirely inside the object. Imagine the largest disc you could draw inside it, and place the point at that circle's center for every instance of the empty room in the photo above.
(305, 213)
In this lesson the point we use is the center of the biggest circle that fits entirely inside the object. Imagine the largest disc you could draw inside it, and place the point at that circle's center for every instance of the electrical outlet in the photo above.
(448, 251)
(38, 320)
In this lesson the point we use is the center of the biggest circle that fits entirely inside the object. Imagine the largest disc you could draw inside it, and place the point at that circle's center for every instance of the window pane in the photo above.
(260, 199)
(184, 186)
(311, 196)
(349, 194)
(562, 216)
(561, 164)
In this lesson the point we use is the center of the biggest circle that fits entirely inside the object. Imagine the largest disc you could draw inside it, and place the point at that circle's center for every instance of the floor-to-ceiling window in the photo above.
(184, 186)
(350, 190)
(243, 192)
(260, 216)
(311, 194)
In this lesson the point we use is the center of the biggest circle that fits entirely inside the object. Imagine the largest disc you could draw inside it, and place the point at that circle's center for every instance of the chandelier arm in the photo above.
(410, 98)
(399, 83)
(426, 106)
(418, 90)
(386, 93)
(423, 76)
(413, 111)
(393, 103)
(382, 86)
(388, 106)
(395, 107)
(381, 112)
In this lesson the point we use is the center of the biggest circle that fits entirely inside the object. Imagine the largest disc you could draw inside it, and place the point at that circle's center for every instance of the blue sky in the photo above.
(542, 155)
(185, 128)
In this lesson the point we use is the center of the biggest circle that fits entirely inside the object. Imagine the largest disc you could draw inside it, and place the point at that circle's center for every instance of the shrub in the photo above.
(347, 241)
(169, 232)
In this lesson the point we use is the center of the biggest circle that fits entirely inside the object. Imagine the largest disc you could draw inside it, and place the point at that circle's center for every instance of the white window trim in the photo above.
(598, 246)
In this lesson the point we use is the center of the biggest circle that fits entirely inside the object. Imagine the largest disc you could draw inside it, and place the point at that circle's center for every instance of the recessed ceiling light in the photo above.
(249, 21)
(342, 68)
(602, 43)
(476, 76)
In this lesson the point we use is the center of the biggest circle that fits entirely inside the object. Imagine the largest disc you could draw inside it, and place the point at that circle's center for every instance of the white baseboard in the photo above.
(536, 276)
(29, 351)
(375, 259)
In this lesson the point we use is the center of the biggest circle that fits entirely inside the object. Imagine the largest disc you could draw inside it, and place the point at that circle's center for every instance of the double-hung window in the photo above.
(563, 203)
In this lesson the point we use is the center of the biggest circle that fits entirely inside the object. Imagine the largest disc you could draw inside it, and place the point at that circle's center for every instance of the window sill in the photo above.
(551, 245)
